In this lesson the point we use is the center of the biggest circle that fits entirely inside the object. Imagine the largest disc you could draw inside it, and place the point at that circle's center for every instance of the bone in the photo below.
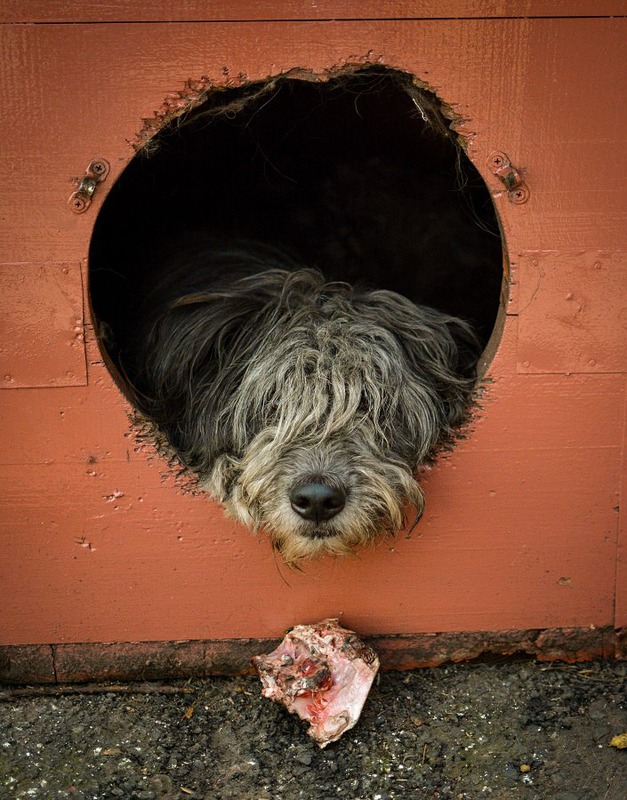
(322, 673)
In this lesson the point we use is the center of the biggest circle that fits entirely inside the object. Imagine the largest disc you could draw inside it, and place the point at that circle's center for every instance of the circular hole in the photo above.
(358, 175)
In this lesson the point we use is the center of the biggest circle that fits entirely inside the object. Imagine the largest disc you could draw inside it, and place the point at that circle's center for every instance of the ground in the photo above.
(513, 730)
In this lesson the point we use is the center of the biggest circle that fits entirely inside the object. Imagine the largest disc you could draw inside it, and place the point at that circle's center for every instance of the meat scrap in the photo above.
(321, 672)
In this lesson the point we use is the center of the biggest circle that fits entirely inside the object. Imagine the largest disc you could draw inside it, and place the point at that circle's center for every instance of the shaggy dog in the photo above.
(304, 406)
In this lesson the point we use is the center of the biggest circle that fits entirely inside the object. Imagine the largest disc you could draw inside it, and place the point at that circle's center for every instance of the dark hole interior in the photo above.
(359, 176)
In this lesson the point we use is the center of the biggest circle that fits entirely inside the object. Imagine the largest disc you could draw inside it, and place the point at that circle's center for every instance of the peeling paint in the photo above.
(76, 663)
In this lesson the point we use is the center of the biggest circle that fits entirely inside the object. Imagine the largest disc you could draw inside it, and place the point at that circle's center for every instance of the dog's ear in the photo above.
(190, 356)
(440, 354)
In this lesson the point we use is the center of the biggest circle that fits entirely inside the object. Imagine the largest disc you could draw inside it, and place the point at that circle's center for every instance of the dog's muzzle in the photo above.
(317, 501)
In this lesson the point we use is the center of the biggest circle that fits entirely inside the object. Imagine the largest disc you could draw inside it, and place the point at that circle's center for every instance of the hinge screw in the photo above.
(78, 203)
(95, 173)
(519, 195)
(99, 168)
(501, 166)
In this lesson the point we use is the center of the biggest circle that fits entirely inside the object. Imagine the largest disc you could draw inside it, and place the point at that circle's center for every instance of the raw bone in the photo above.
(321, 672)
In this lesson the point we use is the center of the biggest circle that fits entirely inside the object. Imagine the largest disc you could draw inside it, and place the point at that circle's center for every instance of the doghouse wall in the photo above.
(520, 544)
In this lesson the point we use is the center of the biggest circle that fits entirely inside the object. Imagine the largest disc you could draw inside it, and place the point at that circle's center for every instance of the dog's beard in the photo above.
(256, 491)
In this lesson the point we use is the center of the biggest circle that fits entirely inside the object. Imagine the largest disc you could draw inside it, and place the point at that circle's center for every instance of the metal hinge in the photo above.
(95, 173)
(501, 166)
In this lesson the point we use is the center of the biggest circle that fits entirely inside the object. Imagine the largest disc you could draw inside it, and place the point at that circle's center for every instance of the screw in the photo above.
(497, 160)
(78, 204)
(99, 168)
(519, 195)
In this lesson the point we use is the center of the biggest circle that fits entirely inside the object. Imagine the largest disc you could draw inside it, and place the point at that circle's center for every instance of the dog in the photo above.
(305, 406)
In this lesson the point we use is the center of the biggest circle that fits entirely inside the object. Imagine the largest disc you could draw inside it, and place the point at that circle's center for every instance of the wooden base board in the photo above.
(117, 661)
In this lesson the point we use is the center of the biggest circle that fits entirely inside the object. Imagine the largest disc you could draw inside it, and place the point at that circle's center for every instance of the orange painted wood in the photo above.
(572, 312)
(47, 108)
(65, 425)
(41, 326)
(189, 10)
(521, 527)
(122, 556)
(621, 564)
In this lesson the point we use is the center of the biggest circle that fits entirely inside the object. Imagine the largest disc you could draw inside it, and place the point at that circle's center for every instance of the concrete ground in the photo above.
(509, 730)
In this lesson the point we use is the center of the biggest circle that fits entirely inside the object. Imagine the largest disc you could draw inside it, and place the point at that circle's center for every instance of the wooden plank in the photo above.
(41, 326)
(526, 411)
(520, 530)
(80, 425)
(571, 312)
(502, 545)
(499, 545)
(27, 664)
(144, 661)
(621, 559)
(151, 61)
(570, 110)
(188, 10)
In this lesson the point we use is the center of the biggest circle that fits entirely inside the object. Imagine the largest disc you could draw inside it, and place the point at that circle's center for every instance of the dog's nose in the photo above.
(317, 501)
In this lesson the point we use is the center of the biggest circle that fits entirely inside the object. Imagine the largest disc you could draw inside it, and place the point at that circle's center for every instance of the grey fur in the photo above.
(277, 378)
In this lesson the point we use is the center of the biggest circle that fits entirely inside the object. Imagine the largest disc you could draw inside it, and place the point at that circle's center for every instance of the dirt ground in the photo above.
(510, 730)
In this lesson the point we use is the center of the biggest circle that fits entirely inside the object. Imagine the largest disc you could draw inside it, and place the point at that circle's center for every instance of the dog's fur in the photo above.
(265, 378)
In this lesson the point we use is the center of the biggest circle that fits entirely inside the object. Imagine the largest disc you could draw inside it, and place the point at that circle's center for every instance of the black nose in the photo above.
(317, 501)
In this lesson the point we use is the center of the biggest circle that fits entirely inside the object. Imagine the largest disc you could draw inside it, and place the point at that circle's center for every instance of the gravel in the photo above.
(508, 730)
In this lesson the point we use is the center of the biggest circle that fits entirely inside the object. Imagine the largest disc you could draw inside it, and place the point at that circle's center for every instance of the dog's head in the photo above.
(306, 407)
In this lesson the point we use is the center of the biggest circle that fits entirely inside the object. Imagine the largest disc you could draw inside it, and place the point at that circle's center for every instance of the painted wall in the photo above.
(521, 529)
